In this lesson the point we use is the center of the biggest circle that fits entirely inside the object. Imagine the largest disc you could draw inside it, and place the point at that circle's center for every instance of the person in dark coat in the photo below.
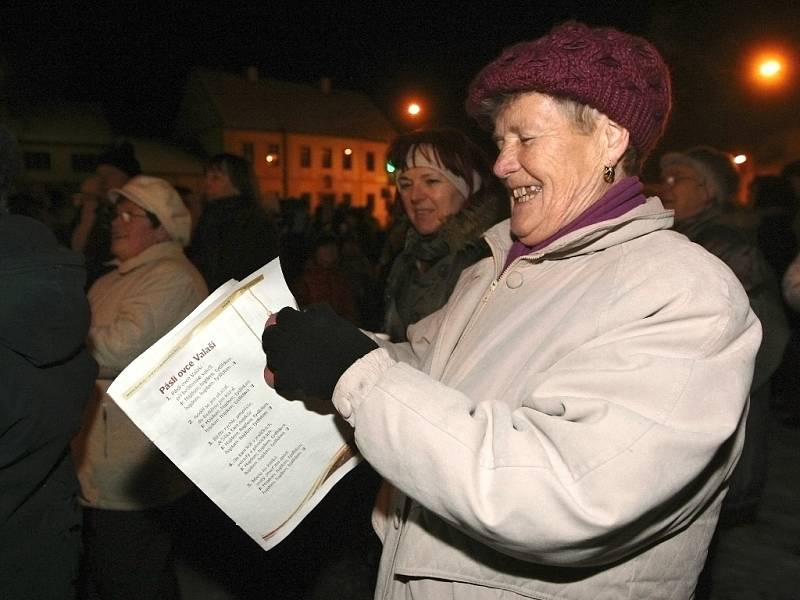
(697, 184)
(234, 236)
(47, 376)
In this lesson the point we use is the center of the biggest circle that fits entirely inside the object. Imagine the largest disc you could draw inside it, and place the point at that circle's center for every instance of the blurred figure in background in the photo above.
(450, 197)
(130, 490)
(84, 204)
(697, 184)
(47, 375)
(323, 280)
(92, 234)
(787, 400)
(791, 172)
(773, 199)
(234, 236)
(362, 278)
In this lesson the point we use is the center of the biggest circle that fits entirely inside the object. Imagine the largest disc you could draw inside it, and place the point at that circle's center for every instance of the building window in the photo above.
(347, 199)
(370, 199)
(347, 159)
(370, 161)
(305, 197)
(83, 163)
(305, 156)
(327, 198)
(327, 158)
(37, 161)
(273, 156)
(248, 152)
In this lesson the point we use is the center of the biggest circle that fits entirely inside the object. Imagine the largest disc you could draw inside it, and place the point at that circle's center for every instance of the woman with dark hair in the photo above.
(234, 236)
(449, 197)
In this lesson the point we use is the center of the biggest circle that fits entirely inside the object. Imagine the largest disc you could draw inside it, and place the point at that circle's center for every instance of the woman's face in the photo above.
(133, 234)
(553, 172)
(219, 185)
(428, 198)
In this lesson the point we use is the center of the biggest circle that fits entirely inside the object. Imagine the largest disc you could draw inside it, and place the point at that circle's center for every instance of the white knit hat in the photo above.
(158, 197)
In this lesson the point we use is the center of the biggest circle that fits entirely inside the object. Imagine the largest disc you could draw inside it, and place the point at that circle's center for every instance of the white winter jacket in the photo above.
(564, 429)
(119, 468)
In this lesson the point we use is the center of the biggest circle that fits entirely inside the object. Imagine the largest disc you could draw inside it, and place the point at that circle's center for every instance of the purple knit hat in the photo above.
(621, 75)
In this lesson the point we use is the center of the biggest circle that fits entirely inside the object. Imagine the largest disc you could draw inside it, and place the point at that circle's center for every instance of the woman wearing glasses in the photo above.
(128, 488)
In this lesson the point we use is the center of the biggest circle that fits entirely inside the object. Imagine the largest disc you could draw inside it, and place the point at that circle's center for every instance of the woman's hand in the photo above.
(308, 351)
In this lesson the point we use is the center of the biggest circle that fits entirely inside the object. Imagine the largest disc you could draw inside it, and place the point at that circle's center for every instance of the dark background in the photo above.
(135, 57)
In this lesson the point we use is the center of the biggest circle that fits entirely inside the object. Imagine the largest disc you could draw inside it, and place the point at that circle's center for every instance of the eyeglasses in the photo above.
(673, 180)
(127, 216)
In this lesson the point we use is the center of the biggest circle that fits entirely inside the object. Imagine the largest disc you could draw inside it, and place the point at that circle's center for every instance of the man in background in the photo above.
(92, 234)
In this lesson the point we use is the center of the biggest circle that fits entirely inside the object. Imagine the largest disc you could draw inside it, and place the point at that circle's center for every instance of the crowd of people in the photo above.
(560, 386)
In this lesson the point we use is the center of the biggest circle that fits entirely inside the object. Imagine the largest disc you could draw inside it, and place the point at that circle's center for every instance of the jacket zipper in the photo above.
(492, 287)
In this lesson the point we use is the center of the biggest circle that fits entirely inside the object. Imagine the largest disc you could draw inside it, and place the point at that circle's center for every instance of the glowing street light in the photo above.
(770, 68)
(413, 109)
(740, 159)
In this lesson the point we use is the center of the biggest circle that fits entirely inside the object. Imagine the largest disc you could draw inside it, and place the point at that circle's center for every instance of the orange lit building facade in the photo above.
(308, 142)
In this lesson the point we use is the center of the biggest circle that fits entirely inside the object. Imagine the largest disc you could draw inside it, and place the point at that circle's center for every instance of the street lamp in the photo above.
(413, 109)
(769, 69)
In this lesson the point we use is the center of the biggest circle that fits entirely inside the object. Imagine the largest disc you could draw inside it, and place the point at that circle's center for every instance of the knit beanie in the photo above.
(121, 157)
(715, 167)
(619, 74)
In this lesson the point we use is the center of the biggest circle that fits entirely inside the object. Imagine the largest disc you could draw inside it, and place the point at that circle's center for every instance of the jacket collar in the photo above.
(645, 218)
(170, 249)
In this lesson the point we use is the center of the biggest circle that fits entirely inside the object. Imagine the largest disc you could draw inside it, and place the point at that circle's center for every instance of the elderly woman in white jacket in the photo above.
(565, 426)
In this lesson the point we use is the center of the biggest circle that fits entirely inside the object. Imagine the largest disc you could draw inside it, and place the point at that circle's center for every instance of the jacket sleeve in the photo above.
(166, 295)
(623, 441)
(412, 352)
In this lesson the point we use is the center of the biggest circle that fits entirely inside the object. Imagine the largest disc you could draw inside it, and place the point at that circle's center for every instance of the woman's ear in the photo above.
(617, 139)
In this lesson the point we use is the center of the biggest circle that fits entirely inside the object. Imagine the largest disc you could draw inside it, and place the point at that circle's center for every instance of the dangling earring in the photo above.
(609, 173)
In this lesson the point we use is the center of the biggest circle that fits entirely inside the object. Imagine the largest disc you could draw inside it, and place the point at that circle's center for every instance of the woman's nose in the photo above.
(417, 193)
(506, 163)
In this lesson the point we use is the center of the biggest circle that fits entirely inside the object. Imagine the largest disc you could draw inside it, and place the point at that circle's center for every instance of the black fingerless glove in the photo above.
(308, 351)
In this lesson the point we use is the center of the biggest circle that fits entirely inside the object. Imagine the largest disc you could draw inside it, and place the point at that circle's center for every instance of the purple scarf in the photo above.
(622, 197)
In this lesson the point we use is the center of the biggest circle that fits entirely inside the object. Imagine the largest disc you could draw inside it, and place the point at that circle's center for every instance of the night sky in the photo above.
(135, 57)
